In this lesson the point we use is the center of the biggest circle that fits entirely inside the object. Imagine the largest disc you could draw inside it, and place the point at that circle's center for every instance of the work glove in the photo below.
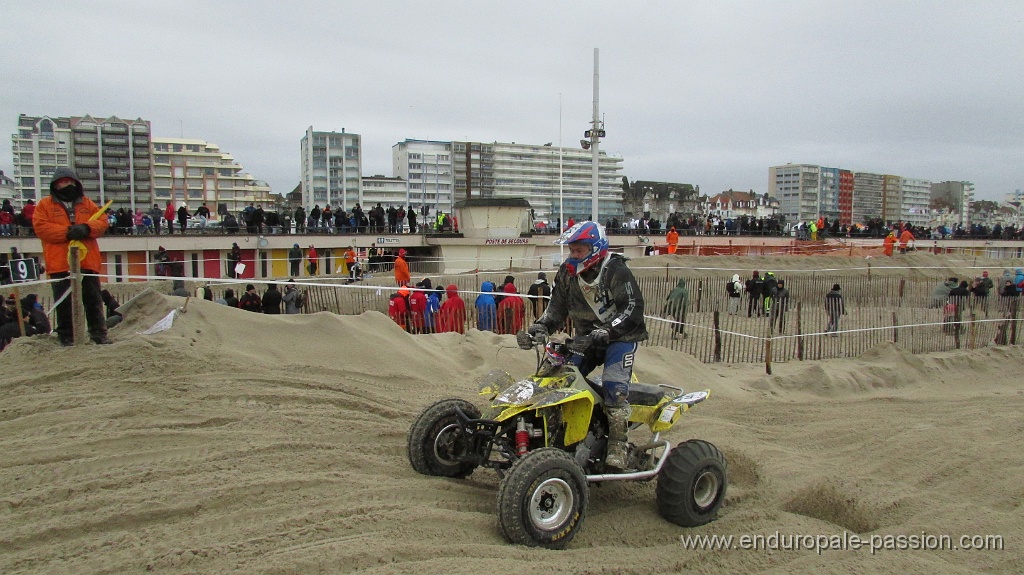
(78, 232)
(524, 340)
(537, 330)
(596, 338)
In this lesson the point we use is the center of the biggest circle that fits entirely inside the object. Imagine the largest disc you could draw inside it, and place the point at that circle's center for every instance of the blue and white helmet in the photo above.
(588, 233)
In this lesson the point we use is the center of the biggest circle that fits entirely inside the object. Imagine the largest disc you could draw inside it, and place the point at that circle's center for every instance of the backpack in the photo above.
(730, 287)
(300, 300)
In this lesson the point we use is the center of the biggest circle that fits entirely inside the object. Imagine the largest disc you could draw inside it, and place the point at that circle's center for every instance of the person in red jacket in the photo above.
(314, 260)
(905, 238)
(417, 310)
(398, 308)
(452, 315)
(60, 218)
(511, 311)
(169, 214)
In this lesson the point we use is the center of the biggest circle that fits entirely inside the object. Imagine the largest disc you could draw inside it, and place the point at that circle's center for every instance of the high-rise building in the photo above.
(798, 189)
(387, 191)
(426, 166)
(196, 172)
(40, 146)
(892, 198)
(829, 198)
(958, 195)
(510, 170)
(914, 206)
(111, 156)
(332, 164)
(867, 196)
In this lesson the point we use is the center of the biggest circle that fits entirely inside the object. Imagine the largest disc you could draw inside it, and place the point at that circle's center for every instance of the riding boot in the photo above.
(618, 422)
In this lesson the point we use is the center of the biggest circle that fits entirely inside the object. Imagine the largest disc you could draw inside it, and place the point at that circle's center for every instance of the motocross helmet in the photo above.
(588, 233)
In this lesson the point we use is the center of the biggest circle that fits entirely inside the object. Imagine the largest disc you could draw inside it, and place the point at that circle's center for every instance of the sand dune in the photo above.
(238, 442)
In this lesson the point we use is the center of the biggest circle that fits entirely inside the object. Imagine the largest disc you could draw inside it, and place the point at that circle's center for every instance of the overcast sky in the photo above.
(709, 93)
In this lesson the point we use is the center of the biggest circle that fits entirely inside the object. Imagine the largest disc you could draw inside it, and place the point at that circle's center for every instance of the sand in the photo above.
(242, 443)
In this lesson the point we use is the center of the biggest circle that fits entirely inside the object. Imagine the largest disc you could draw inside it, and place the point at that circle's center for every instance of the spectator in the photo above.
(157, 215)
(417, 310)
(398, 307)
(314, 259)
(452, 315)
(754, 287)
(780, 305)
(735, 289)
(178, 288)
(295, 259)
(511, 312)
(540, 294)
(433, 305)
(486, 309)
(272, 300)
(229, 298)
(675, 306)
(66, 216)
(183, 217)
(234, 258)
(169, 214)
(835, 309)
(291, 298)
(251, 300)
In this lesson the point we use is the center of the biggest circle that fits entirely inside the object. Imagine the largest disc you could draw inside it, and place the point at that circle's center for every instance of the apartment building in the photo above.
(957, 195)
(892, 198)
(194, 172)
(867, 196)
(386, 191)
(41, 145)
(332, 164)
(798, 189)
(914, 206)
(110, 155)
(554, 180)
(426, 167)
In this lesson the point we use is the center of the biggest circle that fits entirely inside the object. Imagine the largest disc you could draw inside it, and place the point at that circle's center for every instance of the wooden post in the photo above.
(895, 331)
(77, 313)
(972, 332)
(869, 270)
(799, 334)
(700, 293)
(768, 355)
(718, 336)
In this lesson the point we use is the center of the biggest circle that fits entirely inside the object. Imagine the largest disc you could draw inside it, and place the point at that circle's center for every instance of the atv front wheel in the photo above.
(437, 442)
(543, 499)
(691, 484)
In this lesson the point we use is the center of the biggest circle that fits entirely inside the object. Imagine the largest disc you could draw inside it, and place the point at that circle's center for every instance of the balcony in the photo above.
(115, 141)
(140, 141)
(115, 129)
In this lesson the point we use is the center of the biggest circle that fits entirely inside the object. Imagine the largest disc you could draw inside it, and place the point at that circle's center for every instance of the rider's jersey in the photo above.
(612, 301)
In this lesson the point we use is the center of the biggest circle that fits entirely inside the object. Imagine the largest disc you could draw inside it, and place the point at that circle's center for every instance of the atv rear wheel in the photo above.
(543, 499)
(437, 441)
(692, 483)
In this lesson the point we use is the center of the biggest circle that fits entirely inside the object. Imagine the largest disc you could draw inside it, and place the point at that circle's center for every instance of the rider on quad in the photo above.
(598, 291)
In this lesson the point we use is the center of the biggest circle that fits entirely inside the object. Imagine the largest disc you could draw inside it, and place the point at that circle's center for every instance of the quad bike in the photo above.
(546, 437)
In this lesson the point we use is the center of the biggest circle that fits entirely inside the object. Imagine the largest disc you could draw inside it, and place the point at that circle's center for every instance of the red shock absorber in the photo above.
(522, 438)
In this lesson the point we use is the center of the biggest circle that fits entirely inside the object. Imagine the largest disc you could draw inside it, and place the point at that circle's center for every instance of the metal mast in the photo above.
(593, 135)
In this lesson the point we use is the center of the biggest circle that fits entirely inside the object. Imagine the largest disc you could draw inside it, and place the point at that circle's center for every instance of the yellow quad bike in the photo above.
(546, 437)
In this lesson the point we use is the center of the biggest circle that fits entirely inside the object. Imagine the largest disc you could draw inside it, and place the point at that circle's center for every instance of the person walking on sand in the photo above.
(835, 308)
(672, 237)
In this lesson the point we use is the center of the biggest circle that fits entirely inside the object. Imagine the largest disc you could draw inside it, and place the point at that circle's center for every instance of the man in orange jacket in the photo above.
(905, 238)
(672, 237)
(60, 218)
(402, 277)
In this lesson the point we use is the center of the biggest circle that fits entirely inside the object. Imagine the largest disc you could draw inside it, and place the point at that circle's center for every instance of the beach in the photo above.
(236, 442)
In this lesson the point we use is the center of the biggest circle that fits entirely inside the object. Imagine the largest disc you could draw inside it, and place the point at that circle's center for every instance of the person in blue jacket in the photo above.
(486, 308)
